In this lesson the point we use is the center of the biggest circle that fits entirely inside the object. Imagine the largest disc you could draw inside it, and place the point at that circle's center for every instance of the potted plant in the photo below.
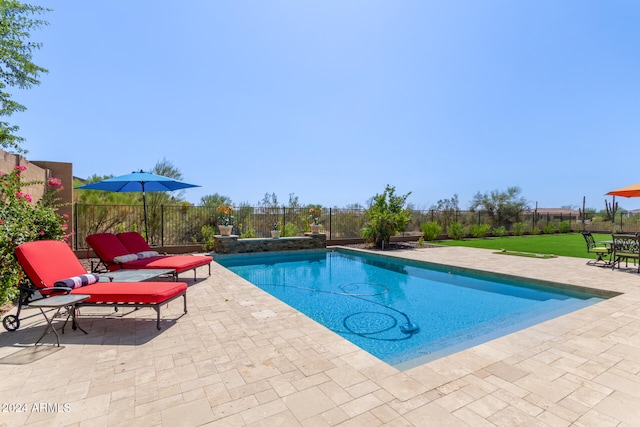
(275, 230)
(225, 216)
(314, 217)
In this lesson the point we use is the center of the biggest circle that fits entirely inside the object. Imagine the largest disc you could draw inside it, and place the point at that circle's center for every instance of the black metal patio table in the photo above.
(59, 302)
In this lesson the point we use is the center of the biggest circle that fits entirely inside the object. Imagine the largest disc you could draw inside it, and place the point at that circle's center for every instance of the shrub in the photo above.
(208, 242)
(420, 241)
(456, 231)
(534, 230)
(247, 234)
(387, 216)
(479, 230)
(564, 227)
(518, 228)
(289, 230)
(431, 230)
(499, 231)
(549, 229)
(22, 220)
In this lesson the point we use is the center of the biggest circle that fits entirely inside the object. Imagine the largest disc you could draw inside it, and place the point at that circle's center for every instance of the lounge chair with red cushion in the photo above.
(115, 255)
(47, 263)
(134, 242)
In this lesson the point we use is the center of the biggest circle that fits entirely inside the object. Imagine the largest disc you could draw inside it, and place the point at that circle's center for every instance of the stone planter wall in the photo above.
(234, 245)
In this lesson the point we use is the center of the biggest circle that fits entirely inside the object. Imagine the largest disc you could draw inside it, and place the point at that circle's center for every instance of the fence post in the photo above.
(330, 224)
(284, 219)
(75, 225)
(621, 221)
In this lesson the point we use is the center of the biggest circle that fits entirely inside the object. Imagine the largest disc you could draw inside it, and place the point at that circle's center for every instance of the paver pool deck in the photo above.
(240, 357)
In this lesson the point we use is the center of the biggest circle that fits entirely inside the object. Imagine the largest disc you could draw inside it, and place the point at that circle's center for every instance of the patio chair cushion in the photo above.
(179, 263)
(48, 261)
(78, 281)
(125, 258)
(133, 241)
(108, 246)
(147, 254)
(599, 250)
(132, 292)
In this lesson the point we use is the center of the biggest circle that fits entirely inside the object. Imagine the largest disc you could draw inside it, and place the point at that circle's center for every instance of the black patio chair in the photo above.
(599, 250)
(625, 246)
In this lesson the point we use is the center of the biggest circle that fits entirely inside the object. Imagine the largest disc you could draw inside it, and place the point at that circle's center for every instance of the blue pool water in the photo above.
(401, 311)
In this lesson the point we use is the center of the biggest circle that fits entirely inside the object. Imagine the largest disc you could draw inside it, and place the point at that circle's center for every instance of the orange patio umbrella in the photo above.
(628, 191)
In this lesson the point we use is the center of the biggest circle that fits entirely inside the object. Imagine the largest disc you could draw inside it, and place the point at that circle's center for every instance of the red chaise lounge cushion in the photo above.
(47, 261)
(133, 241)
(108, 246)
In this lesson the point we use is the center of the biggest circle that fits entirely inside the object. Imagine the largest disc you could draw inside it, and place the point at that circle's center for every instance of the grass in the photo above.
(570, 244)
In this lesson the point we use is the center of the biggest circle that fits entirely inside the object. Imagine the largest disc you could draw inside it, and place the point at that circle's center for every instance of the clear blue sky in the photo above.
(332, 100)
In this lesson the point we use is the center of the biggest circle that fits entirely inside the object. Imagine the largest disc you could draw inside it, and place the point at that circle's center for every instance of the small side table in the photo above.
(130, 275)
(59, 302)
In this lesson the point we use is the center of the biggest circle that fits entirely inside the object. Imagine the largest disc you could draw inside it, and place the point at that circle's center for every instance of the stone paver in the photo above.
(242, 358)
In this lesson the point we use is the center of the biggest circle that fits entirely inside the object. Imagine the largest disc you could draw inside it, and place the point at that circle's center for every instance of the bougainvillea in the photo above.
(23, 220)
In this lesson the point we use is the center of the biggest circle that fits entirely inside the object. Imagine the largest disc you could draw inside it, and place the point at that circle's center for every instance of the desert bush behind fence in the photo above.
(170, 225)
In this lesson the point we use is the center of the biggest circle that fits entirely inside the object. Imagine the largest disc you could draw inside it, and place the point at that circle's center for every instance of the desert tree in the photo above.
(501, 206)
(17, 22)
(387, 215)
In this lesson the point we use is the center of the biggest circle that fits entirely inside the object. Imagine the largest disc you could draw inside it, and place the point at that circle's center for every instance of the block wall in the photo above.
(41, 171)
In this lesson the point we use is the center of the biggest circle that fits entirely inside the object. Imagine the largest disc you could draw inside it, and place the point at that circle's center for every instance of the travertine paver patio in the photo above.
(241, 357)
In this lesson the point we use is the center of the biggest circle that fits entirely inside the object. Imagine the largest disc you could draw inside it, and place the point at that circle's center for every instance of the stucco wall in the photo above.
(33, 172)
(41, 171)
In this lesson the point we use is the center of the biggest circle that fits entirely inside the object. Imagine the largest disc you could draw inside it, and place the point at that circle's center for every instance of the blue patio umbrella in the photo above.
(138, 182)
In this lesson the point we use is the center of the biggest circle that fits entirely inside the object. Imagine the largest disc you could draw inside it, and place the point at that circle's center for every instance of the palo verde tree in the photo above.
(99, 211)
(446, 210)
(214, 200)
(274, 213)
(387, 216)
(16, 69)
(99, 197)
(157, 199)
(501, 206)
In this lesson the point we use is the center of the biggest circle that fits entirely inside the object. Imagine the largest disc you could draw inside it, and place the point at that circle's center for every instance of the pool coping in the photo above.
(552, 284)
(451, 344)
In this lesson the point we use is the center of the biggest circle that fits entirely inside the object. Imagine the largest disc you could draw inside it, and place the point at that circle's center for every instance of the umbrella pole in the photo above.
(144, 207)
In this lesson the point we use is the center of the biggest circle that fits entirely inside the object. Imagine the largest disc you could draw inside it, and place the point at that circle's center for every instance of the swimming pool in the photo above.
(404, 312)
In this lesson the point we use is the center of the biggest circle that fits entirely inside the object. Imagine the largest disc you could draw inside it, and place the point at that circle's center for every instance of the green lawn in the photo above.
(572, 245)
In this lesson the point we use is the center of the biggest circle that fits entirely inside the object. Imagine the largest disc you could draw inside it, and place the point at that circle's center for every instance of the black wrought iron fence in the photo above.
(170, 225)
(183, 225)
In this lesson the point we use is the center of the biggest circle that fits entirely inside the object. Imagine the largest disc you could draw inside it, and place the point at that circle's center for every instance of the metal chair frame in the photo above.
(625, 246)
(601, 251)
